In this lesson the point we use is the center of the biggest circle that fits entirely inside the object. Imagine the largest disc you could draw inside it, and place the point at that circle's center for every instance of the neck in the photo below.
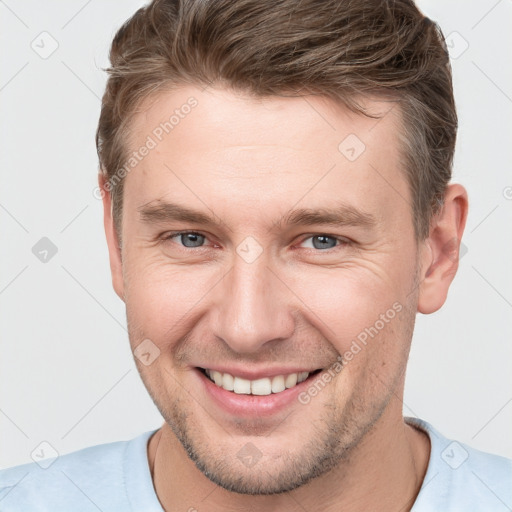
(384, 473)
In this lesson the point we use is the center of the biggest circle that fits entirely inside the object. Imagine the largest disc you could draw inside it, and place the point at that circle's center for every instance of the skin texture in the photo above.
(250, 162)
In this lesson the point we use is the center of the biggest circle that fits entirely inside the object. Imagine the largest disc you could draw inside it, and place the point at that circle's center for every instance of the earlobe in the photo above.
(441, 250)
(114, 249)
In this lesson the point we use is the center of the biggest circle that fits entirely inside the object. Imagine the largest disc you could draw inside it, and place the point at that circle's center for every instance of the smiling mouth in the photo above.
(259, 387)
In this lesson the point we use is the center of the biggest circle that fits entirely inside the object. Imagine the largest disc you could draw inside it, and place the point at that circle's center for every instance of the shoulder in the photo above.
(87, 479)
(460, 477)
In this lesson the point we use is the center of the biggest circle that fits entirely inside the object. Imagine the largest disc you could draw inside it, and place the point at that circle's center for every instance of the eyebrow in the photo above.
(342, 215)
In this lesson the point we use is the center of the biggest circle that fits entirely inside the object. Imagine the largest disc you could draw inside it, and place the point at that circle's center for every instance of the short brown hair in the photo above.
(343, 50)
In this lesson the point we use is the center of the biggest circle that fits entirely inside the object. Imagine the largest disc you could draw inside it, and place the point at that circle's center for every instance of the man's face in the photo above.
(257, 296)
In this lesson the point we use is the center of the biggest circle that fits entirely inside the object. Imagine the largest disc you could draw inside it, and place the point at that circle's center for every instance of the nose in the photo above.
(254, 307)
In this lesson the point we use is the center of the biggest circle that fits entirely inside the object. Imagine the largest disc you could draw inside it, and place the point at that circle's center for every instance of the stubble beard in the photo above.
(335, 436)
(336, 433)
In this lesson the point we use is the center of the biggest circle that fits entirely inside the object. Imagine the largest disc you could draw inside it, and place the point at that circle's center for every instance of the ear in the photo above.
(440, 254)
(114, 249)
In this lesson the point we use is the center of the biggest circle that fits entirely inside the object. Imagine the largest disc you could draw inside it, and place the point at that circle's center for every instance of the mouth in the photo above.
(259, 387)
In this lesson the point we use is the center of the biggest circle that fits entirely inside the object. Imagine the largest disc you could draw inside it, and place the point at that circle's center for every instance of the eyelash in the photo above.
(342, 241)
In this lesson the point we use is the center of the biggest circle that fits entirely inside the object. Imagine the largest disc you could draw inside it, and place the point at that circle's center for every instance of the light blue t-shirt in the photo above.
(116, 477)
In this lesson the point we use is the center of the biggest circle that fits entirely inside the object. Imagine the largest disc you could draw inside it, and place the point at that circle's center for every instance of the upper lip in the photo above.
(255, 374)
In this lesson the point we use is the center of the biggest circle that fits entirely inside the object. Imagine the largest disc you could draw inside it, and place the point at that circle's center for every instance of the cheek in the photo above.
(161, 298)
(352, 304)
(167, 301)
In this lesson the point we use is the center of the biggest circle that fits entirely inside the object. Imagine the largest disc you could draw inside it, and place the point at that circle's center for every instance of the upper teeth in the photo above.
(263, 386)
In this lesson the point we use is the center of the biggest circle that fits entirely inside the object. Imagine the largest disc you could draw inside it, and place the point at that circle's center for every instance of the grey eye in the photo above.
(191, 239)
(322, 241)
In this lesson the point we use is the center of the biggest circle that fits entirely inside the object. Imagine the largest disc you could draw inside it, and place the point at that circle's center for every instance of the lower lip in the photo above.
(251, 406)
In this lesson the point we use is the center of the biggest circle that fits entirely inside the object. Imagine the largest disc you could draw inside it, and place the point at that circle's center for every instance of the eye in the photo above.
(193, 239)
(189, 239)
(323, 242)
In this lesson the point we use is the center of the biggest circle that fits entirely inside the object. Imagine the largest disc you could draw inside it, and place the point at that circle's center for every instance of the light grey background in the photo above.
(66, 372)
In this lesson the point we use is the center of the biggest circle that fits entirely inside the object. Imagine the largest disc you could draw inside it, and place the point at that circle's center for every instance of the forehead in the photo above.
(222, 115)
(217, 143)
